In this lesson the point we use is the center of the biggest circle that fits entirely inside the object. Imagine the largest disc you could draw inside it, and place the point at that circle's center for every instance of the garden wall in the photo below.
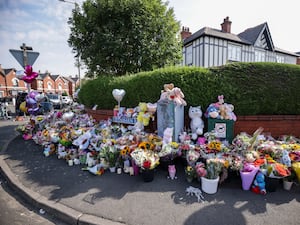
(276, 125)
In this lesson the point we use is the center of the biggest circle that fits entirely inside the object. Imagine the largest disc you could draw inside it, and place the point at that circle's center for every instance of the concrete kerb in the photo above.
(60, 211)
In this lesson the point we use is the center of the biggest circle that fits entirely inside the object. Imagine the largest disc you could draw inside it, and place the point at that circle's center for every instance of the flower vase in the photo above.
(247, 179)
(287, 185)
(209, 186)
(148, 175)
(172, 171)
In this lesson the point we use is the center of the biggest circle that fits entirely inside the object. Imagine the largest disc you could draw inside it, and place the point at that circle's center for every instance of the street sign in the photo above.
(19, 56)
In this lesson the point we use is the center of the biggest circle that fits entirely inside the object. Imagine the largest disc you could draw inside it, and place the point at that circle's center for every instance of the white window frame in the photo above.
(189, 55)
(234, 52)
(260, 56)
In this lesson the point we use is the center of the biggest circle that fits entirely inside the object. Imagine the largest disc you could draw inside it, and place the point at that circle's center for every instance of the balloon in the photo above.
(33, 110)
(32, 94)
(30, 101)
(29, 76)
(23, 107)
(118, 94)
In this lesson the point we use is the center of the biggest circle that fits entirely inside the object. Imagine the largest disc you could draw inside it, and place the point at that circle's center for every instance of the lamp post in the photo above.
(78, 55)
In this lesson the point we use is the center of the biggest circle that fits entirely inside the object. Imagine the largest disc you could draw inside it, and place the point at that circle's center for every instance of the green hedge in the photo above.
(253, 88)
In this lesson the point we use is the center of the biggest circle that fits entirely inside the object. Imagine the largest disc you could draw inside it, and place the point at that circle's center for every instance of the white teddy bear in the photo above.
(197, 124)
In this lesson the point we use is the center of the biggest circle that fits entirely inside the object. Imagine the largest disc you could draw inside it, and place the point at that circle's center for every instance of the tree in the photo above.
(115, 37)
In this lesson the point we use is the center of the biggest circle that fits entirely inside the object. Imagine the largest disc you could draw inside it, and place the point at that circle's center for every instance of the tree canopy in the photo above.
(117, 37)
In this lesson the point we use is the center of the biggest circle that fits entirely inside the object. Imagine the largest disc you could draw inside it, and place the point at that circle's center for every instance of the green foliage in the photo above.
(253, 88)
(117, 37)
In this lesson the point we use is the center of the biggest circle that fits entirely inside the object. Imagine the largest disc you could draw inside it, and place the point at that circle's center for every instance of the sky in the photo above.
(43, 26)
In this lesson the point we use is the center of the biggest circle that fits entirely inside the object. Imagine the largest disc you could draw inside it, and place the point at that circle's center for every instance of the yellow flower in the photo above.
(218, 146)
(174, 144)
(123, 152)
(189, 168)
(211, 145)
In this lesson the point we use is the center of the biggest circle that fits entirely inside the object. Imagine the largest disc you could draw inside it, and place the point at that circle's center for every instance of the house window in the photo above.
(15, 82)
(260, 56)
(40, 83)
(49, 85)
(189, 55)
(234, 53)
(59, 87)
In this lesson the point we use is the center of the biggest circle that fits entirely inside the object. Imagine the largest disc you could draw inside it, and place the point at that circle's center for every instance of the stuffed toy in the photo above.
(168, 135)
(223, 112)
(259, 185)
(212, 112)
(285, 159)
(164, 96)
(177, 96)
(197, 125)
(229, 112)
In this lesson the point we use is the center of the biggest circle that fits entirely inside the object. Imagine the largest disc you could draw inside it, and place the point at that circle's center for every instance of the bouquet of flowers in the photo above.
(190, 172)
(145, 158)
(110, 154)
(214, 167)
(169, 151)
(192, 156)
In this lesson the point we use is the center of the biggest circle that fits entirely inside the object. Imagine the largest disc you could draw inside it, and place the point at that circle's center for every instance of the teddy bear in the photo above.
(259, 184)
(177, 96)
(164, 96)
(196, 124)
(229, 112)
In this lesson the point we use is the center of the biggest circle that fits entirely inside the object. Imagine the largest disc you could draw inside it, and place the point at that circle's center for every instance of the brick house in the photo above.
(61, 84)
(71, 85)
(210, 47)
(9, 84)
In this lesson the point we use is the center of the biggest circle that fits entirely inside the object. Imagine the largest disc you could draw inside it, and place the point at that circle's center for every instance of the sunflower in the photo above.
(146, 145)
(125, 151)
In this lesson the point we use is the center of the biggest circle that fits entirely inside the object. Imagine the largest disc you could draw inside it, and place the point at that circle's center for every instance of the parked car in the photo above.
(67, 100)
(56, 100)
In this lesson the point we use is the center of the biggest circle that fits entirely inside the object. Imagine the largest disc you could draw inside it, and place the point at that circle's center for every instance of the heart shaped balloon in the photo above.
(68, 116)
(118, 94)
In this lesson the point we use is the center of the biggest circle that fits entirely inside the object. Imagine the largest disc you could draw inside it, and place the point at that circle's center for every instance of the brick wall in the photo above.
(276, 125)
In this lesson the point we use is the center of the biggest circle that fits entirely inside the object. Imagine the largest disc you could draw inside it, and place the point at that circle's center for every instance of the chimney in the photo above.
(185, 33)
(226, 25)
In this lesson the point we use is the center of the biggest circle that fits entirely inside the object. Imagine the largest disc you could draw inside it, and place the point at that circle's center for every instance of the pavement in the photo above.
(78, 197)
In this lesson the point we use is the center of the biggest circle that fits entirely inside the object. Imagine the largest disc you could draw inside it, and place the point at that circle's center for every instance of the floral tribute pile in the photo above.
(72, 135)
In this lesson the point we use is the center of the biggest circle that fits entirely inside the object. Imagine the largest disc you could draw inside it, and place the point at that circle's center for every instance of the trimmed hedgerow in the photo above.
(253, 88)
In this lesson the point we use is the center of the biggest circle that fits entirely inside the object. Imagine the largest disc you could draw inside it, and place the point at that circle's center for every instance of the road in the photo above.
(13, 210)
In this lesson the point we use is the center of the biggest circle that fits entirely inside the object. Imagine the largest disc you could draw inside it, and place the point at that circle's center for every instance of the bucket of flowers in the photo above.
(190, 173)
(147, 160)
(209, 174)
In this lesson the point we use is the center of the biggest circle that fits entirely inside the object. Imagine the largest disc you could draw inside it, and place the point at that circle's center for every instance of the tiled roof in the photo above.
(54, 77)
(207, 31)
(251, 34)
